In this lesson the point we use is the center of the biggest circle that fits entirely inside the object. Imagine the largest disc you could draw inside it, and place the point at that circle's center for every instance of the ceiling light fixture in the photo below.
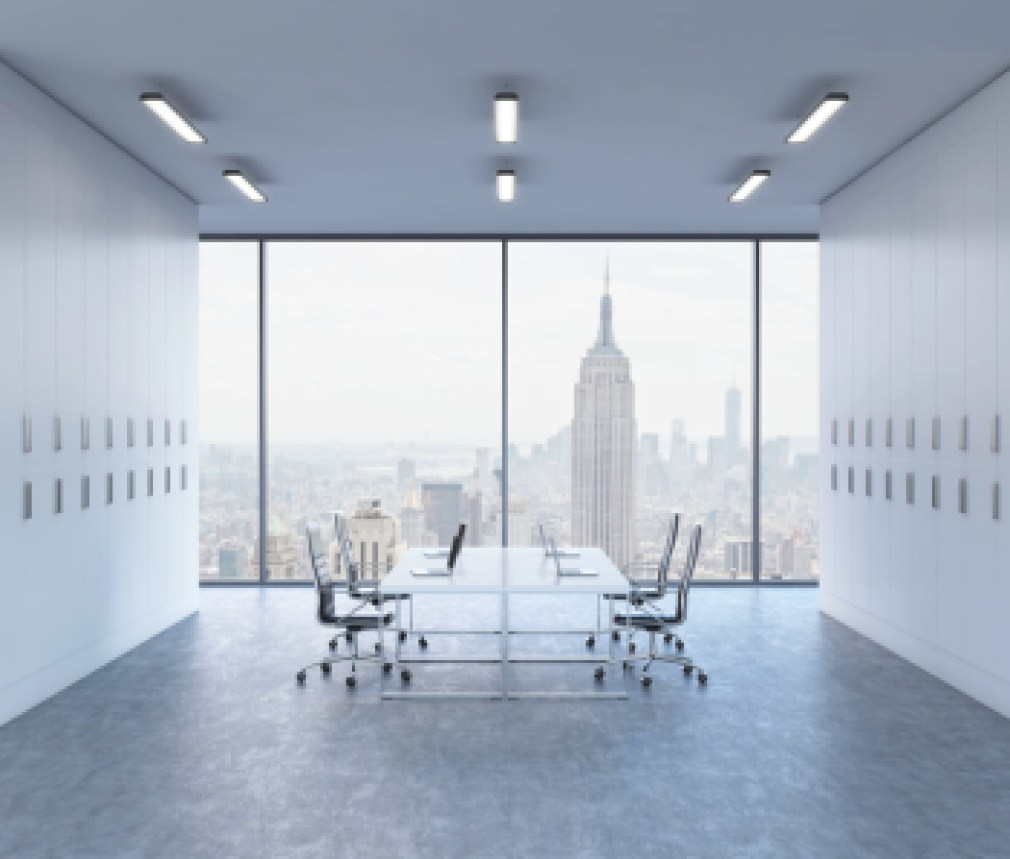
(163, 109)
(829, 106)
(750, 185)
(245, 186)
(506, 117)
(505, 182)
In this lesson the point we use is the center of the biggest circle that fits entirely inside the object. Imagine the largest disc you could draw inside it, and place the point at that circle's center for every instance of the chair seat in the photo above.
(360, 621)
(647, 622)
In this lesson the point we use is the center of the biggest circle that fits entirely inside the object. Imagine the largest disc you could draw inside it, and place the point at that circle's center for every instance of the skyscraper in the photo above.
(733, 429)
(443, 509)
(604, 441)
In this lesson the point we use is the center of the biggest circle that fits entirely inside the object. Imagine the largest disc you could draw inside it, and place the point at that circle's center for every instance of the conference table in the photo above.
(503, 573)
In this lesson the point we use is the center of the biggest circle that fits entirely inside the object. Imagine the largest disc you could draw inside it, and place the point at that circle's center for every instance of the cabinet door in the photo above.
(923, 303)
(1002, 183)
(12, 275)
(120, 341)
(844, 342)
(900, 408)
(879, 326)
(981, 217)
(1000, 574)
(40, 291)
(950, 299)
(950, 534)
(96, 329)
(156, 324)
(861, 353)
(71, 313)
(983, 618)
(829, 413)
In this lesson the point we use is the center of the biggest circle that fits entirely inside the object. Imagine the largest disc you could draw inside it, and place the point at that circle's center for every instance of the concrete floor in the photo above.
(809, 741)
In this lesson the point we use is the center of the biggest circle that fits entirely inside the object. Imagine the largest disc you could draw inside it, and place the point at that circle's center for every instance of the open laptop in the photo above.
(567, 572)
(547, 550)
(450, 564)
(444, 553)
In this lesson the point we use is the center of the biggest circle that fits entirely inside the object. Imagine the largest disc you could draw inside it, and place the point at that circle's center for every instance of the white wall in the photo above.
(98, 320)
(915, 310)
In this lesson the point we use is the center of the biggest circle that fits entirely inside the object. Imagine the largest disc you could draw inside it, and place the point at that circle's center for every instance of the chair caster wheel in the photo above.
(680, 646)
(351, 681)
(667, 638)
(702, 678)
(378, 647)
(405, 676)
(325, 668)
(591, 641)
(631, 647)
(333, 645)
(646, 680)
(300, 677)
(403, 635)
(422, 642)
(348, 637)
(688, 669)
(387, 667)
(626, 665)
(598, 674)
(616, 636)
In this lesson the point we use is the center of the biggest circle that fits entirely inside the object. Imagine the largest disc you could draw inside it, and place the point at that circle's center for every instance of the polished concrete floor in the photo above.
(808, 741)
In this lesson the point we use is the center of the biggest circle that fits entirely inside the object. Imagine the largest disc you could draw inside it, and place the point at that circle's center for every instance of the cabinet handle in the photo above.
(910, 434)
(962, 440)
(962, 496)
(936, 432)
(184, 478)
(150, 432)
(887, 485)
(26, 500)
(910, 488)
(834, 431)
(936, 492)
(168, 479)
(184, 435)
(57, 433)
(85, 492)
(108, 433)
(150, 482)
(131, 485)
(834, 477)
(131, 438)
(869, 483)
(26, 435)
(852, 480)
(85, 433)
(168, 432)
(995, 502)
(869, 432)
(889, 433)
(108, 488)
(994, 440)
(852, 432)
(58, 496)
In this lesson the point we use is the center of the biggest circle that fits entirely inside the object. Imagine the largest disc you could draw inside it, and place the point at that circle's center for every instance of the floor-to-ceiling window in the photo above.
(229, 409)
(789, 410)
(384, 396)
(629, 390)
(630, 397)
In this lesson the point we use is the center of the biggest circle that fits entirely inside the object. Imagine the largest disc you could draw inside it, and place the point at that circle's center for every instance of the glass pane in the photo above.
(229, 403)
(789, 410)
(629, 398)
(384, 396)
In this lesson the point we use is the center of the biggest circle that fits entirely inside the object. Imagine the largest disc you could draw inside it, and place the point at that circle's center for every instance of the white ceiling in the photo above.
(364, 116)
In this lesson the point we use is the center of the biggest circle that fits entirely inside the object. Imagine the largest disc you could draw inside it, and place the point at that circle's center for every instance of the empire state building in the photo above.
(604, 444)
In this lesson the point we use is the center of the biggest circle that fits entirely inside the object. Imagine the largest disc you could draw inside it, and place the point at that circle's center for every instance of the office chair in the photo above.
(352, 622)
(653, 621)
(650, 590)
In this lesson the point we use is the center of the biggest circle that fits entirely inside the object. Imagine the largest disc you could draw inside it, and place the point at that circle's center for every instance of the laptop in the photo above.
(567, 572)
(444, 553)
(454, 550)
(547, 550)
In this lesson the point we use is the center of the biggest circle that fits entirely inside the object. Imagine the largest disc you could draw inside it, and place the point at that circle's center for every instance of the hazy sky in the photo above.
(402, 341)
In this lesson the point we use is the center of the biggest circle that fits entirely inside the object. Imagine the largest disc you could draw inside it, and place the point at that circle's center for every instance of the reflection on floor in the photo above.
(808, 741)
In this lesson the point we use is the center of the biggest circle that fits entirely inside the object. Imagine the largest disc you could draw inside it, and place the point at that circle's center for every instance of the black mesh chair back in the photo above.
(685, 580)
(667, 556)
(321, 573)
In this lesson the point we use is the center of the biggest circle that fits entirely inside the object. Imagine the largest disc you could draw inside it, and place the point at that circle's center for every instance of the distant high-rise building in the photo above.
(284, 552)
(412, 521)
(406, 473)
(443, 509)
(734, 426)
(375, 541)
(604, 441)
(233, 561)
(473, 510)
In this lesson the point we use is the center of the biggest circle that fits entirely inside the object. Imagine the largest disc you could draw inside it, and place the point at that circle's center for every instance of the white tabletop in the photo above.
(496, 570)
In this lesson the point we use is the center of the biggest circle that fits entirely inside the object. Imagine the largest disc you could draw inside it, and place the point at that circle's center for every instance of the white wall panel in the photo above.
(930, 227)
(85, 237)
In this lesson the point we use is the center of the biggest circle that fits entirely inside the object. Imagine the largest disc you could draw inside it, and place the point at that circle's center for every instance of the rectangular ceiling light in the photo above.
(831, 104)
(750, 185)
(161, 108)
(506, 117)
(505, 181)
(245, 186)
